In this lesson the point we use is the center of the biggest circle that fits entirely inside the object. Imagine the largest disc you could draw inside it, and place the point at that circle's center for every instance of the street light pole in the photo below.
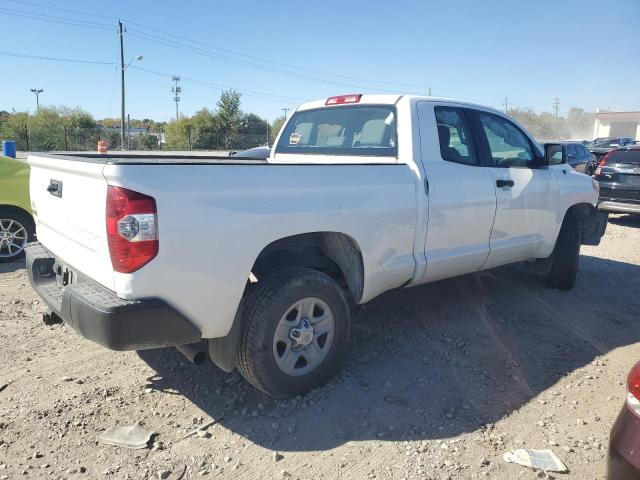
(121, 33)
(123, 67)
(37, 91)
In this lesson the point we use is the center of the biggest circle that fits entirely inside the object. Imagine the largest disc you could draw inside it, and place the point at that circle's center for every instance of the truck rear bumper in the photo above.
(98, 314)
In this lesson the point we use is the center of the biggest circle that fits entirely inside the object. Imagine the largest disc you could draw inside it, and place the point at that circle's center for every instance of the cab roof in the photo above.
(385, 100)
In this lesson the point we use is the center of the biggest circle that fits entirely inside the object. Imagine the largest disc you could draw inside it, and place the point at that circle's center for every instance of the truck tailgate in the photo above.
(68, 198)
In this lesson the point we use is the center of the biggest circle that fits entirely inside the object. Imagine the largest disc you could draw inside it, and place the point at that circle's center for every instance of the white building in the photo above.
(617, 124)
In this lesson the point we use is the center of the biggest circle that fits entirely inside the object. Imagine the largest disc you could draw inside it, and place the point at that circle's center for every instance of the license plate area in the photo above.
(65, 276)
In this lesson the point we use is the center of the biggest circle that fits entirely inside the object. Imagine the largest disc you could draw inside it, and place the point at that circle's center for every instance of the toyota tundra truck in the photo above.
(265, 259)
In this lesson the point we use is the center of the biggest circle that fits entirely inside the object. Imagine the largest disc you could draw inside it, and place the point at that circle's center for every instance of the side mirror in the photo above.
(554, 154)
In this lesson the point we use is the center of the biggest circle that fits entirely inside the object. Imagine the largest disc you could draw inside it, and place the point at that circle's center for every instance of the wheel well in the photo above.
(335, 254)
(13, 208)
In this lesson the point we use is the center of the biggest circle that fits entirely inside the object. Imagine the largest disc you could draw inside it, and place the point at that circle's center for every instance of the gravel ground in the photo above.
(440, 381)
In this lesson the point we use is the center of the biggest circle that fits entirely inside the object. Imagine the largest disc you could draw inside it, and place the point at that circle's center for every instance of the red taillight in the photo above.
(633, 389)
(132, 231)
(340, 99)
(603, 162)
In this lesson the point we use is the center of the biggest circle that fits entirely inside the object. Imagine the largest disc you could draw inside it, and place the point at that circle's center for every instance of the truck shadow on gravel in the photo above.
(626, 220)
(433, 361)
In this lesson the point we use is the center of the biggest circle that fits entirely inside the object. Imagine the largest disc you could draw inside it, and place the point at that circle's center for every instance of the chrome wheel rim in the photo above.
(13, 238)
(303, 336)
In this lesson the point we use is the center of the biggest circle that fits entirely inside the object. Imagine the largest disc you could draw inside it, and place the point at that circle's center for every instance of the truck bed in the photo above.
(142, 158)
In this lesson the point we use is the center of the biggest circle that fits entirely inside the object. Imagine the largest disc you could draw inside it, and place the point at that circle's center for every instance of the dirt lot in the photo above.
(439, 382)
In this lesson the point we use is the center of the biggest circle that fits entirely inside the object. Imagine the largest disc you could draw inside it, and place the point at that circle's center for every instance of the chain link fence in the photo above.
(64, 138)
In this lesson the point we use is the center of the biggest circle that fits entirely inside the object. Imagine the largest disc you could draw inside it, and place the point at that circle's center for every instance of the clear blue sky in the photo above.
(584, 52)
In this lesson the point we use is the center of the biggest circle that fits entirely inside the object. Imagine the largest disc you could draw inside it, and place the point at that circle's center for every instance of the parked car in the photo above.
(264, 258)
(16, 223)
(256, 152)
(580, 158)
(623, 461)
(603, 146)
(619, 176)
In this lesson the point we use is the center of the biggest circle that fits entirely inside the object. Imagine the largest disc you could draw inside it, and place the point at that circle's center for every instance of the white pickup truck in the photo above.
(265, 258)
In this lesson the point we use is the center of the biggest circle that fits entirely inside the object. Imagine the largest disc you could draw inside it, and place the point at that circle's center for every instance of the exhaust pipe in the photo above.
(194, 353)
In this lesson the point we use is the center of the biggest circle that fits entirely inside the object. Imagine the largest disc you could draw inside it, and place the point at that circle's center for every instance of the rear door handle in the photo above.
(504, 183)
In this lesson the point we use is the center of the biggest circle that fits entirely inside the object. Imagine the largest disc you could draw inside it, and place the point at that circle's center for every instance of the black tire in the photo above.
(589, 170)
(24, 219)
(265, 306)
(566, 254)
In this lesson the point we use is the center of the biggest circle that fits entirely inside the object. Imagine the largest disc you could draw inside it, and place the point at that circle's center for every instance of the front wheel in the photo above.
(564, 265)
(295, 331)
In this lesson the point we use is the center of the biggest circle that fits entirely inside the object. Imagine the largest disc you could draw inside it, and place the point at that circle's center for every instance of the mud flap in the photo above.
(223, 351)
(593, 228)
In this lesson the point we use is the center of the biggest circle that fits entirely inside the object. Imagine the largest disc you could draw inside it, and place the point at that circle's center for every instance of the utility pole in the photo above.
(506, 104)
(556, 106)
(128, 132)
(267, 122)
(121, 34)
(37, 91)
(429, 93)
(285, 110)
(176, 93)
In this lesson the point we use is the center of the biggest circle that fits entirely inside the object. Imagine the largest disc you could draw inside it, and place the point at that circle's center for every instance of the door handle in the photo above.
(504, 183)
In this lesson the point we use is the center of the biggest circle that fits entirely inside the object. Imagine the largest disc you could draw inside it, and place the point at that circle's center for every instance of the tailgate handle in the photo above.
(55, 188)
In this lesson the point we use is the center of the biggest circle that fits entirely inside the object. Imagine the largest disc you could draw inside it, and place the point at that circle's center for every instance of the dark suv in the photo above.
(580, 158)
(618, 174)
(601, 146)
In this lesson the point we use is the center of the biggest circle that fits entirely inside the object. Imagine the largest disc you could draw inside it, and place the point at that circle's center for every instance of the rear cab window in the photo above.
(353, 130)
(454, 135)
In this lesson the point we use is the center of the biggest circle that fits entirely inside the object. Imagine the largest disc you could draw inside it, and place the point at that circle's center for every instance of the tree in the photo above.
(179, 134)
(229, 114)
(276, 126)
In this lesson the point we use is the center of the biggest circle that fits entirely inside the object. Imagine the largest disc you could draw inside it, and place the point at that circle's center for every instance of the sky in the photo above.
(279, 54)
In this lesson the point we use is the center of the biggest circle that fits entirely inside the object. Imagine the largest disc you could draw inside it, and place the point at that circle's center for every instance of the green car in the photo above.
(16, 223)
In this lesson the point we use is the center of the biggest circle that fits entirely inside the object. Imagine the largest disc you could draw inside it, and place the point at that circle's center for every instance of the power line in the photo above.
(60, 9)
(197, 50)
(234, 52)
(55, 19)
(215, 86)
(55, 59)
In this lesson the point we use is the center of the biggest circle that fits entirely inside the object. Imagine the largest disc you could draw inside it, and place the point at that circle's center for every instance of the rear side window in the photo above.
(630, 157)
(355, 130)
(454, 134)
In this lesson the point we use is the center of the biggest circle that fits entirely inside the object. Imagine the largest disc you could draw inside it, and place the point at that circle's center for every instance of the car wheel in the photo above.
(589, 170)
(295, 331)
(566, 254)
(16, 230)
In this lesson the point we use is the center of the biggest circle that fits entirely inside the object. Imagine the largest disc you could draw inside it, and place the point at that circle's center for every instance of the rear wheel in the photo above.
(566, 254)
(295, 331)
(16, 230)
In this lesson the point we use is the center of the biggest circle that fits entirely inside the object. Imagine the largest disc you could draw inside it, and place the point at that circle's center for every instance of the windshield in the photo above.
(362, 130)
(625, 156)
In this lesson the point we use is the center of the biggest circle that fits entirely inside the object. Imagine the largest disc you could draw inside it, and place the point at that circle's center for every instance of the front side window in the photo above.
(454, 134)
(361, 130)
(509, 147)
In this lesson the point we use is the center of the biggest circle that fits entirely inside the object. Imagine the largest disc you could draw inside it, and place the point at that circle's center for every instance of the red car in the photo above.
(624, 445)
